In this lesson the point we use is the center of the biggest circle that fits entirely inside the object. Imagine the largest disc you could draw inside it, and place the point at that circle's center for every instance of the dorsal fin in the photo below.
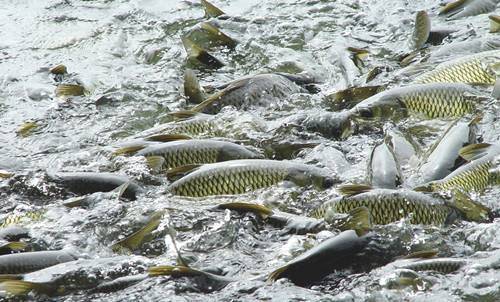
(211, 10)
(425, 254)
(195, 51)
(183, 114)
(135, 240)
(261, 210)
(178, 172)
(353, 189)
(473, 151)
(192, 88)
(359, 220)
(167, 137)
(494, 23)
(129, 150)
(218, 34)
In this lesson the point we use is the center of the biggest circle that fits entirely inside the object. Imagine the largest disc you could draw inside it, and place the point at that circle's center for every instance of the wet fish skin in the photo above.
(197, 151)
(466, 8)
(383, 168)
(338, 252)
(403, 145)
(472, 69)
(387, 206)
(119, 283)
(441, 265)
(32, 261)
(90, 182)
(443, 157)
(249, 92)
(479, 173)
(433, 100)
(421, 31)
(334, 125)
(241, 176)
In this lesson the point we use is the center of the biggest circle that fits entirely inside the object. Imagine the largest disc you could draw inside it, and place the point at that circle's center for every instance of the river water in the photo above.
(129, 56)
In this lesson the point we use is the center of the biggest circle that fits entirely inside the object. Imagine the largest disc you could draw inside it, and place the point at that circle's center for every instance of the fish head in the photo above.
(381, 107)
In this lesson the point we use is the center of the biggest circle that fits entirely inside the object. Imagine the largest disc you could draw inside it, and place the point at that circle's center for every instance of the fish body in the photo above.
(197, 151)
(466, 8)
(90, 182)
(334, 125)
(480, 172)
(32, 261)
(403, 145)
(383, 168)
(433, 100)
(441, 265)
(477, 69)
(387, 206)
(444, 156)
(248, 92)
(241, 176)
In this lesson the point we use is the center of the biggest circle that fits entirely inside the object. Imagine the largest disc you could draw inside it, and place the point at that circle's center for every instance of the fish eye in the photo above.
(366, 113)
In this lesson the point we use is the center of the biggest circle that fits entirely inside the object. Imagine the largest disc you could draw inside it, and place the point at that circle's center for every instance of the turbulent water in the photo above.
(129, 56)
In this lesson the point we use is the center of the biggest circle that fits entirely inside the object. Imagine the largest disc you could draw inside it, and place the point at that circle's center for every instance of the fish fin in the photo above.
(473, 151)
(209, 101)
(358, 54)
(476, 119)
(263, 211)
(353, 189)
(155, 163)
(192, 89)
(471, 209)
(7, 277)
(180, 258)
(494, 23)
(422, 29)
(120, 190)
(133, 241)
(426, 187)
(211, 10)
(173, 270)
(178, 172)
(167, 137)
(18, 287)
(276, 274)
(16, 245)
(359, 219)
(59, 69)
(183, 114)
(451, 6)
(200, 54)
(218, 34)
(26, 128)
(129, 150)
(70, 90)
(496, 89)
(76, 202)
(6, 174)
(425, 254)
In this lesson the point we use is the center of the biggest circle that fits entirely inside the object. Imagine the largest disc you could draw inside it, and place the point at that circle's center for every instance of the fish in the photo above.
(192, 89)
(136, 239)
(246, 175)
(494, 23)
(388, 205)
(351, 249)
(207, 35)
(443, 156)
(465, 8)
(421, 31)
(383, 168)
(59, 69)
(119, 283)
(90, 182)
(198, 54)
(440, 265)
(211, 10)
(403, 145)
(27, 128)
(75, 275)
(435, 100)
(7, 247)
(347, 98)
(479, 69)
(197, 151)
(65, 90)
(334, 125)
(480, 172)
(22, 263)
(248, 92)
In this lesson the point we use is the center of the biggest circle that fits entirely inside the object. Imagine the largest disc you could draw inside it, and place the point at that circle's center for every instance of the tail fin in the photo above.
(129, 150)
(211, 10)
(196, 52)
(471, 209)
(359, 219)
(494, 23)
(133, 241)
(155, 163)
(192, 89)
(19, 287)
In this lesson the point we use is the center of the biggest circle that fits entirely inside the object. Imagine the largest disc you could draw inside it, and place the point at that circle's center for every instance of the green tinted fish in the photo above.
(247, 92)
(32, 261)
(241, 176)
(430, 100)
(494, 23)
(480, 172)
(441, 265)
(421, 31)
(443, 157)
(478, 69)
(192, 89)
(196, 151)
(22, 217)
(387, 206)
(347, 98)
(196, 53)
(211, 10)
(335, 125)
(134, 241)
(383, 168)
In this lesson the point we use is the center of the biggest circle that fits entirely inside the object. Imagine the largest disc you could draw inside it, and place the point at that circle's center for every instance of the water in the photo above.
(131, 53)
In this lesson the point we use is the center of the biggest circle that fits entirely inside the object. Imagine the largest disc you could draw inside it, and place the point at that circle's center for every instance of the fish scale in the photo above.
(439, 103)
(475, 179)
(443, 265)
(240, 176)
(473, 69)
(387, 206)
